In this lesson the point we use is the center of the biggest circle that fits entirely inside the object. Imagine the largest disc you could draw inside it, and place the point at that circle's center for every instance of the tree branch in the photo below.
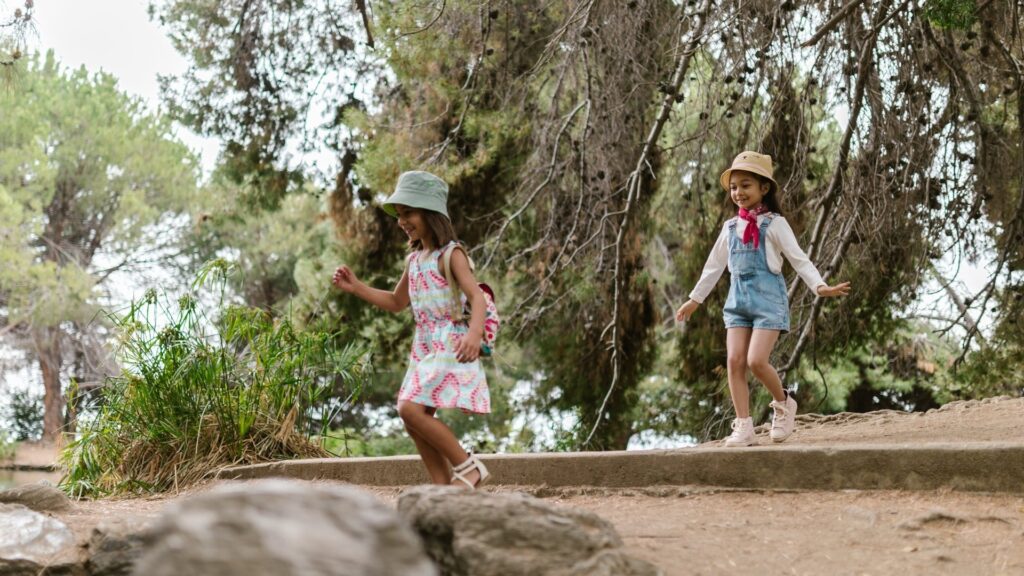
(832, 23)
(634, 184)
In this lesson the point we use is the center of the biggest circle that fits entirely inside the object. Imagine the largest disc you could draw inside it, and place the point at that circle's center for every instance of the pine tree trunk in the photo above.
(47, 344)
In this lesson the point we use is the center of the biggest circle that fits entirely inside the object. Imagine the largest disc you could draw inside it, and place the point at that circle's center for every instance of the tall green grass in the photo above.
(199, 393)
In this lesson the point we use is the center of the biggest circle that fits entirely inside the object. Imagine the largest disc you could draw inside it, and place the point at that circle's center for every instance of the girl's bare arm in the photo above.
(394, 301)
(469, 347)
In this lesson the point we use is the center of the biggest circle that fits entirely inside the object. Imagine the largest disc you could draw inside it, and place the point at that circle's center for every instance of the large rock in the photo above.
(281, 527)
(114, 547)
(32, 543)
(471, 533)
(41, 497)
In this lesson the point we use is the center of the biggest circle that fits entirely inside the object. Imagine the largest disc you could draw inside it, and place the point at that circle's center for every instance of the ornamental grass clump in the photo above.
(198, 394)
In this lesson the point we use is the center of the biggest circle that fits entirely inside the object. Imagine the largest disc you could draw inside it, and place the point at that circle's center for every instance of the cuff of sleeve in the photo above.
(819, 286)
(697, 298)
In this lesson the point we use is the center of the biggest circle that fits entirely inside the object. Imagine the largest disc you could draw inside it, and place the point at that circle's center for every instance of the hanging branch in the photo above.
(966, 83)
(633, 184)
(361, 5)
(961, 305)
(832, 22)
(807, 330)
(835, 184)
(429, 25)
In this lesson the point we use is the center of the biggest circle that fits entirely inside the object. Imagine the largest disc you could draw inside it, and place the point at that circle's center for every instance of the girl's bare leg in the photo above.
(434, 461)
(435, 433)
(737, 340)
(760, 350)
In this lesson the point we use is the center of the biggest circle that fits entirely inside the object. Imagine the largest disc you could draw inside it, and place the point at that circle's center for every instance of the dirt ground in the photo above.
(690, 531)
(990, 420)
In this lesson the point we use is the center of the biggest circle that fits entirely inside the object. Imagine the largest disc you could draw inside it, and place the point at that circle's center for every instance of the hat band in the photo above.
(754, 168)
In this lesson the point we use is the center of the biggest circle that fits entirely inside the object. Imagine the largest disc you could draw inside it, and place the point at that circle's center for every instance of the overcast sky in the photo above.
(115, 36)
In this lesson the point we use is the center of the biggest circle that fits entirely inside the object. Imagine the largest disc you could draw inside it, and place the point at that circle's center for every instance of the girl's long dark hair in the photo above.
(771, 199)
(440, 227)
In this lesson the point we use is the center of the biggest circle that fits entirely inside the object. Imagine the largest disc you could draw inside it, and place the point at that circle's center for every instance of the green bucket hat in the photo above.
(419, 189)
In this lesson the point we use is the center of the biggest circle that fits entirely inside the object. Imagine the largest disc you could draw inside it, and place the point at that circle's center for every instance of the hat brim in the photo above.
(743, 167)
(413, 201)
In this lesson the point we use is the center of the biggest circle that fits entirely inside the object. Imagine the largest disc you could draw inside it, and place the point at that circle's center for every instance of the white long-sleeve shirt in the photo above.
(780, 242)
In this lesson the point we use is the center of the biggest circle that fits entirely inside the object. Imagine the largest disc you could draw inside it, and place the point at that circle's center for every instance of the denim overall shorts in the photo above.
(757, 296)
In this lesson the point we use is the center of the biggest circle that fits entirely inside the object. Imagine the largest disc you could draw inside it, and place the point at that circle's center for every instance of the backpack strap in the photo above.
(457, 312)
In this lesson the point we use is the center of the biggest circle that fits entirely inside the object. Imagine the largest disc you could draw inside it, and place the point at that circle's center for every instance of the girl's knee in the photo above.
(410, 411)
(759, 365)
(737, 363)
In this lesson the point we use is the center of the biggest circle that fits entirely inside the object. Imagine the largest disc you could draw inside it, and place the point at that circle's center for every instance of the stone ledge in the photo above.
(986, 467)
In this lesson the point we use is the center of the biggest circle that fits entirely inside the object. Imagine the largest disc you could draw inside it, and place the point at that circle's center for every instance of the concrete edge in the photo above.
(986, 467)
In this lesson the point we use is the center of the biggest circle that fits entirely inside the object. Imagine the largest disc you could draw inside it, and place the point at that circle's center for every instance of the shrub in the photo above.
(7, 447)
(25, 413)
(197, 395)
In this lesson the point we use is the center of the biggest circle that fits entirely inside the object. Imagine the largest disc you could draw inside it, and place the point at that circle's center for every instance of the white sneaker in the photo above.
(783, 419)
(742, 433)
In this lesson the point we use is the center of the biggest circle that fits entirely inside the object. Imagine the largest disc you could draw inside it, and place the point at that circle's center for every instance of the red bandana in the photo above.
(751, 232)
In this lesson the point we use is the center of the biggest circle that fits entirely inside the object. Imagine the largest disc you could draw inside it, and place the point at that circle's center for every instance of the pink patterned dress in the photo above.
(435, 377)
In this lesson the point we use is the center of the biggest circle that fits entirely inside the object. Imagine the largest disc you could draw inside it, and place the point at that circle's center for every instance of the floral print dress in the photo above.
(435, 377)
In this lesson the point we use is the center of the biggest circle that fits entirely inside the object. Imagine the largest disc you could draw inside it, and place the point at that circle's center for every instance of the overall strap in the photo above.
(457, 312)
(763, 243)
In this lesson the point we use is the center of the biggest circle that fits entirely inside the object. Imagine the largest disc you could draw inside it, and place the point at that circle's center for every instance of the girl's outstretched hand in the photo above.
(468, 348)
(686, 310)
(832, 291)
(344, 279)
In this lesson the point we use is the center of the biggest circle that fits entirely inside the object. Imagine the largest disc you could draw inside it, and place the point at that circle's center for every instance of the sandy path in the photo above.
(856, 533)
(700, 531)
(991, 420)
(690, 531)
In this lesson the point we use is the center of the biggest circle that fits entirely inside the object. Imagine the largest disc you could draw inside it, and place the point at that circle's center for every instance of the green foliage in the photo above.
(956, 14)
(907, 371)
(996, 368)
(264, 245)
(83, 167)
(7, 446)
(262, 76)
(24, 411)
(199, 393)
(87, 175)
(349, 442)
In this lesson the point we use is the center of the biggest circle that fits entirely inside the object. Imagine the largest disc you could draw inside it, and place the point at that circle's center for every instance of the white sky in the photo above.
(115, 36)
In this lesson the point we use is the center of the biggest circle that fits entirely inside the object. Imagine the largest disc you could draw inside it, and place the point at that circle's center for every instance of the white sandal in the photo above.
(473, 462)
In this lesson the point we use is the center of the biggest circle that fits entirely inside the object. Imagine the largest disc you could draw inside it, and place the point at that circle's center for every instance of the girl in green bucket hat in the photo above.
(444, 367)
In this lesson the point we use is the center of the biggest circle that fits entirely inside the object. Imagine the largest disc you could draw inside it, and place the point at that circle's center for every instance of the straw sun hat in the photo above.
(747, 161)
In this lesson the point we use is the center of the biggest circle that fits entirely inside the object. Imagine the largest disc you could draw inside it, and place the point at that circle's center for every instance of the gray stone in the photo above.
(32, 543)
(484, 534)
(114, 547)
(282, 527)
(41, 497)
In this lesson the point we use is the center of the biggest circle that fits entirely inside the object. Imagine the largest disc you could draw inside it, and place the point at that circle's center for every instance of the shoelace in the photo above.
(737, 429)
(780, 411)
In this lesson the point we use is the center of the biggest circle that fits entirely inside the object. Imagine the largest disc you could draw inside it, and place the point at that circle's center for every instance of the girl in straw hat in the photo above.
(444, 368)
(756, 311)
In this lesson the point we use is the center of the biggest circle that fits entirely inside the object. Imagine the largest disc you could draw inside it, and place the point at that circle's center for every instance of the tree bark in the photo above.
(47, 343)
